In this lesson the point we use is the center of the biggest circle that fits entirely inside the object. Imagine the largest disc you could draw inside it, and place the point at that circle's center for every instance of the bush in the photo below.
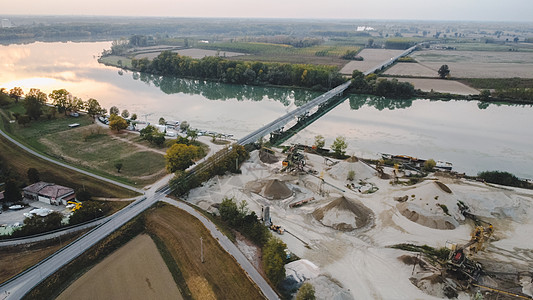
(503, 178)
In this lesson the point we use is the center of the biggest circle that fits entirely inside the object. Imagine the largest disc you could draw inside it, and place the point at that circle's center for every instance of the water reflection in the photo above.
(222, 91)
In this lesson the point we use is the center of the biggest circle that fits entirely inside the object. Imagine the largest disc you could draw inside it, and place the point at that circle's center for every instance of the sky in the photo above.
(468, 10)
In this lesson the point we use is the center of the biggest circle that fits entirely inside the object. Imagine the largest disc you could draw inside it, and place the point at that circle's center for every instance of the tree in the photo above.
(33, 175)
(16, 93)
(484, 95)
(180, 156)
(117, 123)
(133, 117)
(23, 120)
(93, 107)
(162, 121)
(114, 110)
(12, 191)
(184, 126)
(274, 260)
(89, 210)
(319, 142)
(76, 104)
(444, 71)
(429, 165)
(339, 146)
(118, 165)
(306, 292)
(60, 98)
(125, 114)
(35, 100)
(192, 133)
(83, 195)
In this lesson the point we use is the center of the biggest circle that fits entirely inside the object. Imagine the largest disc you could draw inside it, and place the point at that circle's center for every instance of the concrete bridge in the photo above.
(301, 111)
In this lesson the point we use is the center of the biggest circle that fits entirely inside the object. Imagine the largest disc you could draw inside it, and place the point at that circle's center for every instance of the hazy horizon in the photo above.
(415, 10)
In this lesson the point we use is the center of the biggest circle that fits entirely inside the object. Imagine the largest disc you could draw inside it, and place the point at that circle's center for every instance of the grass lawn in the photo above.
(89, 147)
(113, 61)
(220, 277)
(20, 161)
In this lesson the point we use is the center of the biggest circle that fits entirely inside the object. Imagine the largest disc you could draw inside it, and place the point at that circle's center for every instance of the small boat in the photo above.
(16, 207)
(444, 165)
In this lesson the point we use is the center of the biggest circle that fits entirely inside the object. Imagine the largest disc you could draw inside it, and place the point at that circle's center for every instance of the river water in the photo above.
(474, 137)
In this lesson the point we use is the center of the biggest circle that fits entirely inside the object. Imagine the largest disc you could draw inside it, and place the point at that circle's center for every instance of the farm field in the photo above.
(135, 271)
(220, 277)
(476, 64)
(440, 85)
(372, 58)
(411, 69)
(193, 53)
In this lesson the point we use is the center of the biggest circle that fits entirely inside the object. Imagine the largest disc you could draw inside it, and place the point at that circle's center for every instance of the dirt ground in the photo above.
(441, 86)
(219, 277)
(16, 259)
(476, 64)
(412, 69)
(372, 58)
(358, 263)
(135, 271)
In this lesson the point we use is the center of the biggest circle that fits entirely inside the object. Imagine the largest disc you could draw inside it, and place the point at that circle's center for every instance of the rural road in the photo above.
(245, 264)
(70, 167)
(21, 284)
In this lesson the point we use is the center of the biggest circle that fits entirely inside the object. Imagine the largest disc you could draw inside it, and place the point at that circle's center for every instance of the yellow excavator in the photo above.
(77, 205)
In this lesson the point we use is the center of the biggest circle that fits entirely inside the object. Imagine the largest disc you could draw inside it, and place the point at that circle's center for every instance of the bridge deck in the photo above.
(283, 120)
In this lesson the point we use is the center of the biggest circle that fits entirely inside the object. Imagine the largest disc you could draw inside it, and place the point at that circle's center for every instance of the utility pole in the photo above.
(202, 249)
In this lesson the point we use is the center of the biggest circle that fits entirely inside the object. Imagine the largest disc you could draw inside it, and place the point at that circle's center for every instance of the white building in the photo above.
(6, 23)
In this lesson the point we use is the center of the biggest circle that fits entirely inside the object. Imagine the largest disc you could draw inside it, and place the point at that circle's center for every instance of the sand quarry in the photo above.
(345, 234)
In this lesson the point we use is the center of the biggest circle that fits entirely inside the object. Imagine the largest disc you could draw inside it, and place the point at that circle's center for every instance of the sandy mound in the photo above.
(340, 170)
(343, 214)
(268, 158)
(352, 159)
(443, 187)
(276, 190)
(416, 215)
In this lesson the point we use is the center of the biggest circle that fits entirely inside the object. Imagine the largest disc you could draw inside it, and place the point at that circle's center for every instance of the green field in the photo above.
(113, 60)
(89, 147)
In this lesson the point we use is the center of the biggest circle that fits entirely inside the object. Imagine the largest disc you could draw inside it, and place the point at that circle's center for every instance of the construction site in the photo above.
(366, 231)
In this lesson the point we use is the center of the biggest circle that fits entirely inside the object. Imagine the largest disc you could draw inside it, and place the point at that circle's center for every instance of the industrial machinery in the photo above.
(458, 261)
(74, 204)
(295, 159)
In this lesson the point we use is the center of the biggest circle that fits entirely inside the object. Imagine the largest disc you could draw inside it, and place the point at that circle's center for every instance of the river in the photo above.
(474, 137)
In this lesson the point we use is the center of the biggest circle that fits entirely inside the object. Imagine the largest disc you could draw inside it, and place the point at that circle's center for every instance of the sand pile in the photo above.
(352, 159)
(343, 214)
(417, 215)
(340, 170)
(443, 187)
(268, 158)
(276, 190)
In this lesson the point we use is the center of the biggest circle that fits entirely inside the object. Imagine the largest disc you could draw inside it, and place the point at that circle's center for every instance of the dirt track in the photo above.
(135, 271)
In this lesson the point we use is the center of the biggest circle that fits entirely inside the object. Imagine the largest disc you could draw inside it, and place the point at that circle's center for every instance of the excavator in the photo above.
(75, 205)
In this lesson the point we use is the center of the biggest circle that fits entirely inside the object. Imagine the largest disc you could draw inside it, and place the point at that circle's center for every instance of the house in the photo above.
(49, 193)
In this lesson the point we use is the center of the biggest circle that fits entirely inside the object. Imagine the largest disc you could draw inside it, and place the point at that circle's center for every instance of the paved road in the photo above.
(70, 167)
(18, 286)
(230, 248)
(51, 235)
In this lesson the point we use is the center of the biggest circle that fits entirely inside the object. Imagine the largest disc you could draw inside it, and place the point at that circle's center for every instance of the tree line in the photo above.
(373, 85)
(241, 72)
